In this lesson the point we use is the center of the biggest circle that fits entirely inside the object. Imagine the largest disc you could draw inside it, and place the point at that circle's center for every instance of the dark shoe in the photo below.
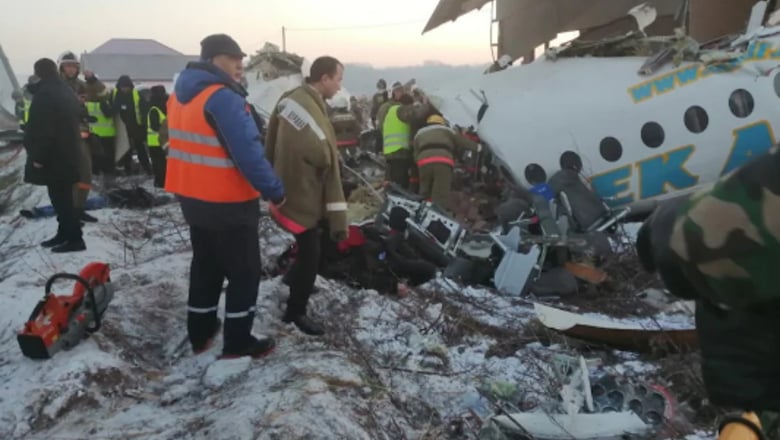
(257, 349)
(210, 341)
(286, 280)
(88, 218)
(54, 241)
(69, 246)
(305, 324)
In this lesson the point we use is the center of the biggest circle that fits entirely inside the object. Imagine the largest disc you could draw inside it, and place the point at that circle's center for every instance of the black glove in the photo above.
(655, 254)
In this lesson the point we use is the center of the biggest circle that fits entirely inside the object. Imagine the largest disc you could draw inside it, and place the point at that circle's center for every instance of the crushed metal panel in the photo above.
(526, 24)
(574, 426)
(451, 10)
(615, 334)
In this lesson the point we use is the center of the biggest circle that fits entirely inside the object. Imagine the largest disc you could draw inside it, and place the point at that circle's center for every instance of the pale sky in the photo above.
(45, 28)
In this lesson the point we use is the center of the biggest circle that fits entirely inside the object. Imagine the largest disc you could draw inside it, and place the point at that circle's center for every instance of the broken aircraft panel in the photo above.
(631, 337)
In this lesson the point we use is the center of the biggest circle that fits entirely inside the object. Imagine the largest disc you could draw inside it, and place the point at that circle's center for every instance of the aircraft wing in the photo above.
(8, 84)
(451, 10)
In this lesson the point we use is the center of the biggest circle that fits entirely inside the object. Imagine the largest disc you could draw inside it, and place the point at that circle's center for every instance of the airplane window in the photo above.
(610, 149)
(571, 161)
(741, 103)
(696, 119)
(777, 84)
(653, 134)
(535, 174)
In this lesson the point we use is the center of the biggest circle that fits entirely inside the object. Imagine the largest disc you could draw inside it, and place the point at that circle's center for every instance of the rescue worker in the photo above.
(357, 112)
(23, 112)
(154, 119)
(103, 130)
(302, 147)
(69, 68)
(380, 97)
(53, 145)
(82, 187)
(721, 248)
(217, 168)
(126, 102)
(399, 118)
(435, 148)
(345, 126)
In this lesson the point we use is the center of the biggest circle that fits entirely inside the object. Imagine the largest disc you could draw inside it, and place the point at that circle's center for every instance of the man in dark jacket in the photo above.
(54, 153)
(154, 119)
(216, 166)
(126, 102)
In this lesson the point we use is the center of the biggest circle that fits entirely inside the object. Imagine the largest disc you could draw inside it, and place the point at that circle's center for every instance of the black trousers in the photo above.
(137, 143)
(401, 172)
(68, 221)
(158, 165)
(218, 254)
(107, 164)
(304, 270)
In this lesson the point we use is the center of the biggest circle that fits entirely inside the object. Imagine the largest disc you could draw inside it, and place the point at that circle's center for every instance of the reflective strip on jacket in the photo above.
(152, 136)
(136, 104)
(103, 126)
(199, 167)
(27, 103)
(431, 147)
(395, 132)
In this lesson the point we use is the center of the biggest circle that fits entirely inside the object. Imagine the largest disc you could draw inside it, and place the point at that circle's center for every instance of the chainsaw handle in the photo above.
(83, 282)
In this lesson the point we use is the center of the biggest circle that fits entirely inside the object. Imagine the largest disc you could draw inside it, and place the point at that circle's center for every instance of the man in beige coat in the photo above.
(301, 145)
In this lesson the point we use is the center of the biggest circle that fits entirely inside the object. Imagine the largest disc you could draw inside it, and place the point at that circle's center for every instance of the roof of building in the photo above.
(134, 46)
(138, 67)
(140, 59)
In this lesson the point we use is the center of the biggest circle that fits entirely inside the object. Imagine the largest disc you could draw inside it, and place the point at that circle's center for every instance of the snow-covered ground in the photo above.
(388, 368)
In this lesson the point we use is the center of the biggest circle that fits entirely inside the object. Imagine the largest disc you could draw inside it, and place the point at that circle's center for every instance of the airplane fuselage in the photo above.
(637, 138)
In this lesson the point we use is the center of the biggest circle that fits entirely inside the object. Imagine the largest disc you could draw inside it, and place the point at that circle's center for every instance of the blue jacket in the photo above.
(236, 129)
(238, 133)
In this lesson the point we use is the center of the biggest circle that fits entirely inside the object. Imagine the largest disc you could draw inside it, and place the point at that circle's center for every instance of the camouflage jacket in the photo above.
(725, 240)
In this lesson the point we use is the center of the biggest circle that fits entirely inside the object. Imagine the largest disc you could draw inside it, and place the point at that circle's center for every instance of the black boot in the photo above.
(305, 324)
(54, 241)
(70, 246)
(198, 348)
(88, 218)
(256, 349)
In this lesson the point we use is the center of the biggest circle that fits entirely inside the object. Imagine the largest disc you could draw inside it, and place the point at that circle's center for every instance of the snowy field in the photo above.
(388, 368)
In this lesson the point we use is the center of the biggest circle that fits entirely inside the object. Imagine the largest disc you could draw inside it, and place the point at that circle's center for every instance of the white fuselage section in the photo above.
(637, 137)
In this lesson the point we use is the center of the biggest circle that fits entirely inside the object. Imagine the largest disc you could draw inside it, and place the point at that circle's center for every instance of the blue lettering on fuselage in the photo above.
(658, 174)
(749, 141)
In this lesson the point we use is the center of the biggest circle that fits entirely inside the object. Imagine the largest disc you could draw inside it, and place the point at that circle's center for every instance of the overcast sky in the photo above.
(45, 28)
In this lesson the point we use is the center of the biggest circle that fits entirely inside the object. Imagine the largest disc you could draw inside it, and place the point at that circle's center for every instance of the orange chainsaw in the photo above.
(60, 322)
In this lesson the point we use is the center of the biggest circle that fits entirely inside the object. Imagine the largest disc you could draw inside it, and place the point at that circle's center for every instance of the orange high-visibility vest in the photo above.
(199, 167)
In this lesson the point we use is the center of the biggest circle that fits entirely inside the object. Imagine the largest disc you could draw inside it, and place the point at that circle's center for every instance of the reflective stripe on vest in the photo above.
(395, 132)
(136, 103)
(27, 103)
(103, 126)
(153, 137)
(199, 167)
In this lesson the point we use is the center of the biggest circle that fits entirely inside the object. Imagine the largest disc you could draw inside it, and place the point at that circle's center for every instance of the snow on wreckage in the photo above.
(437, 363)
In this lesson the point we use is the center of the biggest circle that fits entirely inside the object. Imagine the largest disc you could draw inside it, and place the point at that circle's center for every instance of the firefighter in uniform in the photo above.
(217, 169)
(435, 148)
(302, 147)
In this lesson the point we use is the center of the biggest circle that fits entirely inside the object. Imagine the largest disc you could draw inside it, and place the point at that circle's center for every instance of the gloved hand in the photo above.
(655, 253)
(338, 236)
(279, 203)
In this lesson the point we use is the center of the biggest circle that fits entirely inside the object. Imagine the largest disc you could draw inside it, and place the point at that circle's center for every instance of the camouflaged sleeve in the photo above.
(727, 239)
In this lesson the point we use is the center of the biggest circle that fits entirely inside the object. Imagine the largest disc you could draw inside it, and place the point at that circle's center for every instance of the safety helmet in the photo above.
(67, 57)
(435, 119)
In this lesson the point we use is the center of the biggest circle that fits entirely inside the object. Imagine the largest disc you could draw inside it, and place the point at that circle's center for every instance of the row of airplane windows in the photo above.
(696, 120)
